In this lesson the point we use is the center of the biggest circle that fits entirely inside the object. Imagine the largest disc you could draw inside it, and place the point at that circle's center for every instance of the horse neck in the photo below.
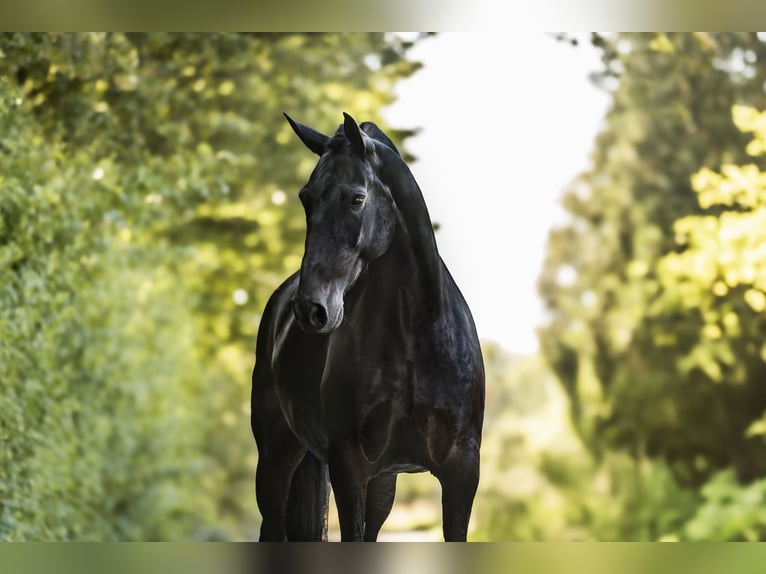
(414, 243)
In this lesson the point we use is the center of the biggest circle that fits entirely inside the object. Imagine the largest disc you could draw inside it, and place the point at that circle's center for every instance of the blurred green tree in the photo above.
(643, 360)
(146, 212)
(719, 272)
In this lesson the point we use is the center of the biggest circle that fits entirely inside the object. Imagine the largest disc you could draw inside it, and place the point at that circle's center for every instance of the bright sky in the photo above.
(507, 121)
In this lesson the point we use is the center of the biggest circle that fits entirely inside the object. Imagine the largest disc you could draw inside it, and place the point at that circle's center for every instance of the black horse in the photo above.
(367, 359)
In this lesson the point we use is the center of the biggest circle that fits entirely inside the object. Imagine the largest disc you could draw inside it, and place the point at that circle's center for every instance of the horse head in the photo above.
(350, 220)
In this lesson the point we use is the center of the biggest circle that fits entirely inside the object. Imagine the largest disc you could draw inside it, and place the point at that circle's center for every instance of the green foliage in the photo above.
(658, 367)
(539, 482)
(720, 271)
(146, 213)
(527, 451)
(656, 296)
(730, 511)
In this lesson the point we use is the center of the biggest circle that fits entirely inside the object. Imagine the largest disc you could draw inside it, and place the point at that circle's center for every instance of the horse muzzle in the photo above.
(314, 317)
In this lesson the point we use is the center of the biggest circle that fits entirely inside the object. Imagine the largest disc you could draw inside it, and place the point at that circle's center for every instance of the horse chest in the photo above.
(392, 412)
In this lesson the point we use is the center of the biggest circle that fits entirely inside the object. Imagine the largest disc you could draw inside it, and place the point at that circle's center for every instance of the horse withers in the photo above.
(367, 358)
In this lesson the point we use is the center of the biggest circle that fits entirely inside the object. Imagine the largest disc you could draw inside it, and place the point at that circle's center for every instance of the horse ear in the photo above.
(354, 134)
(312, 139)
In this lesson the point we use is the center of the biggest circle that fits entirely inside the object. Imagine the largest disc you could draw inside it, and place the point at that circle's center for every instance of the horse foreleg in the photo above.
(272, 485)
(279, 454)
(307, 502)
(349, 475)
(459, 478)
(381, 491)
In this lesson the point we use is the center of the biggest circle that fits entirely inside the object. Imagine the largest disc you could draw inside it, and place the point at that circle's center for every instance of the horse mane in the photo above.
(377, 134)
(339, 139)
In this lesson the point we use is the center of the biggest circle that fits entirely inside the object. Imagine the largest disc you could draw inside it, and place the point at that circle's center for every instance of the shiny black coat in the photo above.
(367, 361)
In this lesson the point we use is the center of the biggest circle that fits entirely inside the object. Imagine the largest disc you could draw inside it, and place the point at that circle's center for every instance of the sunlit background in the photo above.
(502, 134)
(600, 200)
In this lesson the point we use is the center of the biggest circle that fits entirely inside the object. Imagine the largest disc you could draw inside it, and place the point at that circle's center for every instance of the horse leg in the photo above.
(459, 478)
(272, 483)
(279, 453)
(349, 475)
(308, 501)
(380, 498)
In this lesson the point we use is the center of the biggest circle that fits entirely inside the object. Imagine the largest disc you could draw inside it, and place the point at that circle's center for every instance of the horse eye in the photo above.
(358, 200)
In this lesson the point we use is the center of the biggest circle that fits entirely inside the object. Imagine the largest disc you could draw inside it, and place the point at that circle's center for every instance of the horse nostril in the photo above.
(317, 316)
(310, 315)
